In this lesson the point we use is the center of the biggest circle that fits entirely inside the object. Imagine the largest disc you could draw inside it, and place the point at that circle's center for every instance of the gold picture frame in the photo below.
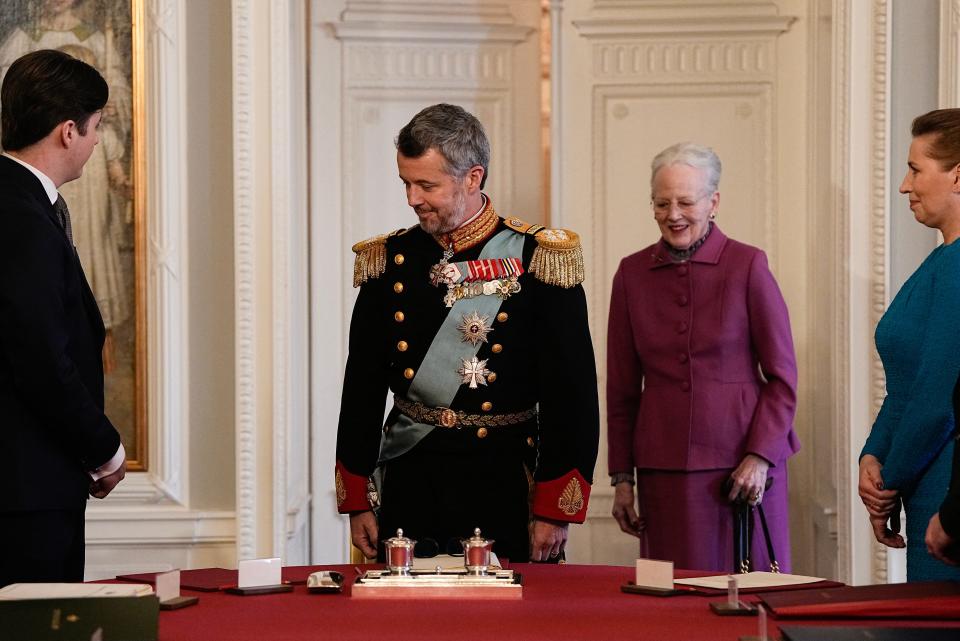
(108, 202)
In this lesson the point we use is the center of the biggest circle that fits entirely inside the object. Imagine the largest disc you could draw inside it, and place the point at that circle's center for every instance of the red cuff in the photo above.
(562, 499)
(351, 491)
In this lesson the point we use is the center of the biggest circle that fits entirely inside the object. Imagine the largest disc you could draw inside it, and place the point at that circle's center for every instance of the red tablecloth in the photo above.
(559, 602)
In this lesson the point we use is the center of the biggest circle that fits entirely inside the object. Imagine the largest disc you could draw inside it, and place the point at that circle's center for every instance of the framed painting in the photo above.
(106, 202)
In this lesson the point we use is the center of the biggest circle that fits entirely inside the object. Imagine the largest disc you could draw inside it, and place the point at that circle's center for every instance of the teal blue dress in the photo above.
(918, 340)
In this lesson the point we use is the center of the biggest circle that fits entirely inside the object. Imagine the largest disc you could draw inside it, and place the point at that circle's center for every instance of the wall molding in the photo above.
(164, 118)
(444, 21)
(171, 526)
(270, 210)
(709, 26)
(840, 155)
(410, 65)
(245, 287)
(862, 45)
(879, 213)
(949, 53)
(670, 59)
(642, 19)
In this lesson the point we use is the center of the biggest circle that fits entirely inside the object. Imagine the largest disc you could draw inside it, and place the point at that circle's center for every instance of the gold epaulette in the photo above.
(558, 258)
(371, 260)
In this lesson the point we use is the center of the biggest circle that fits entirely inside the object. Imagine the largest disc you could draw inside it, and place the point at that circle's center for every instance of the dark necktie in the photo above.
(64, 214)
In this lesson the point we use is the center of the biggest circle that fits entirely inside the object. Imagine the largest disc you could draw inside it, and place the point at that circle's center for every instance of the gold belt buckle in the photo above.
(448, 418)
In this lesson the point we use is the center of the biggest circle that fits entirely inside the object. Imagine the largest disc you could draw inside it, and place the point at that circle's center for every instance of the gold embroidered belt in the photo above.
(446, 417)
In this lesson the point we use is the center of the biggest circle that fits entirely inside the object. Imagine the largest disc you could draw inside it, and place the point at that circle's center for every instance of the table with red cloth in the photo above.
(559, 602)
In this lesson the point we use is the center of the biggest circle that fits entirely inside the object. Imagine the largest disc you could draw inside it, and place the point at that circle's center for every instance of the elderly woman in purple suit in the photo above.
(701, 379)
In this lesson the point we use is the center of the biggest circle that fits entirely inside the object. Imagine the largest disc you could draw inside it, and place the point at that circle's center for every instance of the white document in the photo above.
(257, 572)
(654, 574)
(23, 591)
(750, 580)
(168, 585)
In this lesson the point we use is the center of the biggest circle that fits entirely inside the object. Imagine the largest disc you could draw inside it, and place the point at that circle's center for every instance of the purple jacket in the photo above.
(686, 346)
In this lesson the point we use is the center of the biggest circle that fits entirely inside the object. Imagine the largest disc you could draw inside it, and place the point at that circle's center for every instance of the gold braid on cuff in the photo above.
(446, 417)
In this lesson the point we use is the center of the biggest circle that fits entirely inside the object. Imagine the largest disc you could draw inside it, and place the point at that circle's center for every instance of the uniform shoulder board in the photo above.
(558, 258)
(371, 260)
(521, 227)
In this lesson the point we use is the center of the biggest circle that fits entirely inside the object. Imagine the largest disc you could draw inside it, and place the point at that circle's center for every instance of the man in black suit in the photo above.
(943, 530)
(56, 442)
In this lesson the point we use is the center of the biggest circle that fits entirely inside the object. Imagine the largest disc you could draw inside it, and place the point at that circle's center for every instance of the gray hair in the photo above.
(692, 154)
(454, 132)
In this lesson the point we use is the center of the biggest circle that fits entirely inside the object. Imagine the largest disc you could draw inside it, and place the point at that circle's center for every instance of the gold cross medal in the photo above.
(474, 328)
(474, 371)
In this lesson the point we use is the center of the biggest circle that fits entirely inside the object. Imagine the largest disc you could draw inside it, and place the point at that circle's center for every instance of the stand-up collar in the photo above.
(472, 232)
(709, 251)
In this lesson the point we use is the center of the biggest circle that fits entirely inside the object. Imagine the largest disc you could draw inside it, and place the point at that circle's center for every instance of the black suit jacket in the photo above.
(52, 425)
(950, 509)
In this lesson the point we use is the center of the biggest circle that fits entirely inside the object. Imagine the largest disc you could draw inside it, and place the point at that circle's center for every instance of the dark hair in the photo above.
(454, 132)
(944, 125)
(43, 89)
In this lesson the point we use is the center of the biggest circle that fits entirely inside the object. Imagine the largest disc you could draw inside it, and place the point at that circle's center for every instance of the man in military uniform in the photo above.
(478, 325)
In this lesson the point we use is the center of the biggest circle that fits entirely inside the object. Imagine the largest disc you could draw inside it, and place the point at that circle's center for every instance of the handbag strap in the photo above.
(774, 566)
(741, 537)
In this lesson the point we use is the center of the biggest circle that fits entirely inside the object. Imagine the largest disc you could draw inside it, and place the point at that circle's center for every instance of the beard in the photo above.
(443, 221)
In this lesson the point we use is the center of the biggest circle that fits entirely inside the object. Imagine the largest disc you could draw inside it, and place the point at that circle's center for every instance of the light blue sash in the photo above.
(437, 381)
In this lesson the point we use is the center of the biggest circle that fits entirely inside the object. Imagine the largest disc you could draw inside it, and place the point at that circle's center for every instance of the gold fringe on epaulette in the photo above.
(558, 258)
(371, 260)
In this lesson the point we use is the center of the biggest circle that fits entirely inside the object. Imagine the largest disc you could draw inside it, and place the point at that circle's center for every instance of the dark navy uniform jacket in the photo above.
(539, 350)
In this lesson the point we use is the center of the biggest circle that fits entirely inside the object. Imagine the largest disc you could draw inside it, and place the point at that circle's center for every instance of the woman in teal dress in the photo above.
(907, 456)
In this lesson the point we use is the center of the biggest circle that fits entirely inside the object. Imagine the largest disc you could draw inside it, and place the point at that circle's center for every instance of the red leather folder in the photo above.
(830, 633)
(920, 600)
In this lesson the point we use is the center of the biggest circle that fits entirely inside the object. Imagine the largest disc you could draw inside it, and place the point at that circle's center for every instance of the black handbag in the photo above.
(743, 527)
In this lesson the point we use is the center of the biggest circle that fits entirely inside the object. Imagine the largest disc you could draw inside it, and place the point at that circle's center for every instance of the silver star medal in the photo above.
(474, 328)
(474, 371)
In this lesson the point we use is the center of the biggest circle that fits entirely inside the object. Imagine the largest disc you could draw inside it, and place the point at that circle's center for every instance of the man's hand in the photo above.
(100, 489)
(547, 540)
(363, 531)
(749, 479)
(941, 545)
(625, 511)
(878, 501)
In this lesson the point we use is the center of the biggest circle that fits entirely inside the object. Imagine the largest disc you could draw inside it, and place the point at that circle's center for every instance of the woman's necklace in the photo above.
(680, 255)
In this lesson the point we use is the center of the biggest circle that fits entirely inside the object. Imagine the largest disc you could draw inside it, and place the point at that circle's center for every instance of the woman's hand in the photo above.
(884, 534)
(878, 501)
(625, 511)
(749, 479)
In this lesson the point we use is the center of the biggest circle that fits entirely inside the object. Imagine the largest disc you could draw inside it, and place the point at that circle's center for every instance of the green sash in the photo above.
(437, 381)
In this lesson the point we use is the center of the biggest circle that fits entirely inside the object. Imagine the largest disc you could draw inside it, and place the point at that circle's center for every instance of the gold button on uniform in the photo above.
(491, 377)
(530, 441)
(496, 348)
(402, 346)
(482, 432)
(398, 259)
(502, 317)
(487, 406)
(408, 373)
(399, 317)
(398, 287)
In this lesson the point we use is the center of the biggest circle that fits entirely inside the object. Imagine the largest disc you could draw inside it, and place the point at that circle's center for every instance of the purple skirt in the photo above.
(688, 523)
